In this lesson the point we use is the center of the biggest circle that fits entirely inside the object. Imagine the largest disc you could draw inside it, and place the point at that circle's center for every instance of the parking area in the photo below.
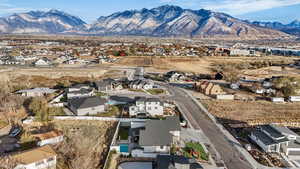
(135, 165)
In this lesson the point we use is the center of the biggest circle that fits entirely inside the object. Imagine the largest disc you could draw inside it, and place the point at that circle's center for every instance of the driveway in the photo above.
(136, 165)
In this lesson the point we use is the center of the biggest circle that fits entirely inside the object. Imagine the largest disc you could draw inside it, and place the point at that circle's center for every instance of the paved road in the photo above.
(198, 119)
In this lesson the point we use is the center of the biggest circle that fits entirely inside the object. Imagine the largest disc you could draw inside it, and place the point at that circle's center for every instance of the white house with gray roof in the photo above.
(147, 106)
(277, 139)
(158, 136)
(87, 105)
(79, 91)
(147, 138)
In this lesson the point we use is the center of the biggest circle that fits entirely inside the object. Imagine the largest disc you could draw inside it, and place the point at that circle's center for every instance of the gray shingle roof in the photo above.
(272, 131)
(157, 132)
(81, 103)
(284, 130)
(264, 137)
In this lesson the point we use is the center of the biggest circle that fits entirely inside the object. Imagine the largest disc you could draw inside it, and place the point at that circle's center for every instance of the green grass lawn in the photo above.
(100, 94)
(156, 91)
(137, 90)
(123, 133)
(195, 147)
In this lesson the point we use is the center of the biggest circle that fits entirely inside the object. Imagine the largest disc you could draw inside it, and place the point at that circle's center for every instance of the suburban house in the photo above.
(87, 105)
(141, 84)
(52, 137)
(36, 92)
(174, 76)
(242, 52)
(38, 158)
(147, 107)
(43, 62)
(147, 138)
(158, 136)
(79, 90)
(209, 88)
(106, 85)
(277, 139)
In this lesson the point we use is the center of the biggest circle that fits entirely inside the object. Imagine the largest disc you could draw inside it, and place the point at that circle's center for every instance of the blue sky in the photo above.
(89, 10)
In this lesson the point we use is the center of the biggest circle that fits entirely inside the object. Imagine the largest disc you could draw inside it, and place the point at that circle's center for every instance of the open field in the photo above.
(253, 112)
(85, 145)
(196, 65)
(50, 77)
(55, 72)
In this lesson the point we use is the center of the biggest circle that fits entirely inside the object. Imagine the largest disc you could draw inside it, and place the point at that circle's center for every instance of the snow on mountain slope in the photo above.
(53, 21)
(175, 21)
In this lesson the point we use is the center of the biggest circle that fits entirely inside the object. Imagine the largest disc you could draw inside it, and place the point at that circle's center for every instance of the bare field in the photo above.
(85, 145)
(55, 72)
(222, 59)
(196, 65)
(254, 112)
(49, 77)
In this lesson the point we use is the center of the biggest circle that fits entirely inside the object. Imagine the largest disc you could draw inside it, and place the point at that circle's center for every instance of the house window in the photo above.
(149, 108)
(155, 108)
(161, 147)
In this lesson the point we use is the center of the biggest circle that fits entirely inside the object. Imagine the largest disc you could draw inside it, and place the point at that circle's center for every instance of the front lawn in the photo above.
(136, 90)
(195, 150)
(156, 91)
(101, 94)
(123, 133)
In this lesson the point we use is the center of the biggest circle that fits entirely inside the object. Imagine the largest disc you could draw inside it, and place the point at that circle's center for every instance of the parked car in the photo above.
(15, 132)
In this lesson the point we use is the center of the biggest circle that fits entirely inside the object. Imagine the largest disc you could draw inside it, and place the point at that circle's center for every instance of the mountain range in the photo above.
(163, 21)
(292, 28)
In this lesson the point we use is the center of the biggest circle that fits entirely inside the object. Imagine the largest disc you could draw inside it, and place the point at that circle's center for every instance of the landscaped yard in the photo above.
(100, 94)
(123, 133)
(195, 150)
(112, 111)
(136, 90)
(156, 91)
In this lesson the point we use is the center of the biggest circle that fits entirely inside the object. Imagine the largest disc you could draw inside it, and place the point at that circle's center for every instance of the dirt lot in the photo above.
(55, 72)
(196, 65)
(85, 145)
(49, 77)
(253, 112)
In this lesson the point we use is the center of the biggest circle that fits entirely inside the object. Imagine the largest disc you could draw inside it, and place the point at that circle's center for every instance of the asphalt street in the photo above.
(199, 119)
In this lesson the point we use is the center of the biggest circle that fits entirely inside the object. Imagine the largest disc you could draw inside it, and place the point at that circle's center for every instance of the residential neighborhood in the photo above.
(134, 103)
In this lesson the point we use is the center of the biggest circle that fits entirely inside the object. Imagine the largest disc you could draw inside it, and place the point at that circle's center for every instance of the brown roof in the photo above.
(34, 155)
(48, 135)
